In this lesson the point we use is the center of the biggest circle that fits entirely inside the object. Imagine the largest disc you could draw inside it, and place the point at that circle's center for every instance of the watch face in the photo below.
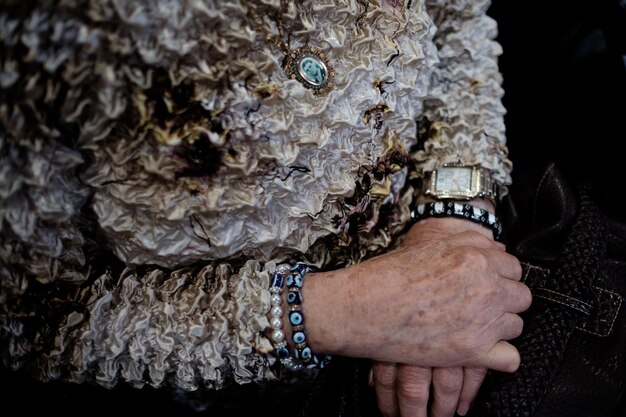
(453, 180)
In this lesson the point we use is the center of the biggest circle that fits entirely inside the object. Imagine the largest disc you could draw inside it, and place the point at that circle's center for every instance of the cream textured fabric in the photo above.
(155, 163)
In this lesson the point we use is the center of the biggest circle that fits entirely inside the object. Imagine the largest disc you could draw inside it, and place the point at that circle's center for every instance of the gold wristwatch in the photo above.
(459, 182)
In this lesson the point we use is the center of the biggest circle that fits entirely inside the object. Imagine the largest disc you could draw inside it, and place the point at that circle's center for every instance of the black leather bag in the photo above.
(573, 347)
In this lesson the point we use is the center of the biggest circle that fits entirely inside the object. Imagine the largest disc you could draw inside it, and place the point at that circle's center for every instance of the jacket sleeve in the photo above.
(68, 312)
(63, 318)
(463, 119)
(69, 309)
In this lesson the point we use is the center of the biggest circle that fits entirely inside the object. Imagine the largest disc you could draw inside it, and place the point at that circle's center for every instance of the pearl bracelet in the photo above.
(460, 210)
(276, 319)
(292, 277)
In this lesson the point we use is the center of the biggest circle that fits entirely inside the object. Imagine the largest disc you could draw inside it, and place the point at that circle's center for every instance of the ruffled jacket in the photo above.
(156, 162)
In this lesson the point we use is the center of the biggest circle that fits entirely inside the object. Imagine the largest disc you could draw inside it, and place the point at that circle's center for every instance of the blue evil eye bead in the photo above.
(295, 318)
(297, 280)
(304, 354)
(282, 353)
(301, 268)
(298, 337)
(318, 362)
(294, 280)
(294, 297)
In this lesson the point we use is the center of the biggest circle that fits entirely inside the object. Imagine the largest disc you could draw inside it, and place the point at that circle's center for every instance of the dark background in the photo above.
(565, 86)
(565, 90)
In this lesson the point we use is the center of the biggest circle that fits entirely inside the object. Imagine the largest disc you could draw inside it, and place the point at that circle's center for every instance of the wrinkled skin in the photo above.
(444, 322)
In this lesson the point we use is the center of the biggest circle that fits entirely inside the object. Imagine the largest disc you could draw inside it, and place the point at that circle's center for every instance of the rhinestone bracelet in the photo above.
(460, 210)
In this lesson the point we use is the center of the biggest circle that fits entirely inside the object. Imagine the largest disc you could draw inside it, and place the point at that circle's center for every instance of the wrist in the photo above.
(320, 294)
(348, 309)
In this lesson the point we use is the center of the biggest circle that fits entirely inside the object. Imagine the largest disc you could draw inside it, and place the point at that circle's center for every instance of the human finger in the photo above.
(509, 326)
(447, 385)
(517, 296)
(472, 380)
(507, 265)
(413, 390)
(385, 383)
(503, 357)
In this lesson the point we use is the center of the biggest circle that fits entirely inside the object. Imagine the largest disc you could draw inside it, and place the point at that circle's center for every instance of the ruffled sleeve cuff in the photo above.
(187, 328)
(463, 120)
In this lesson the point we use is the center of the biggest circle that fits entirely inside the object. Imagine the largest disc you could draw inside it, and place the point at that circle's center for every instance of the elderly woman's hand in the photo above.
(405, 390)
(448, 297)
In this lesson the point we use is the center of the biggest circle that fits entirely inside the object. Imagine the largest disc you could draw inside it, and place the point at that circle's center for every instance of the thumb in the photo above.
(503, 357)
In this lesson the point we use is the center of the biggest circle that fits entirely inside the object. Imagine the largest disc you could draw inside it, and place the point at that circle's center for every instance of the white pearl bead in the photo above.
(283, 268)
(278, 335)
(276, 322)
(276, 311)
(276, 299)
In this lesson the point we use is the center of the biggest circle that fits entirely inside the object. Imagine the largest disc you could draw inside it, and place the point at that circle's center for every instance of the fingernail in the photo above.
(463, 408)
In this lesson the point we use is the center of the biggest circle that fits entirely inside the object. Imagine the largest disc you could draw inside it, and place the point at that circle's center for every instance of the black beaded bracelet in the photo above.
(302, 353)
(460, 210)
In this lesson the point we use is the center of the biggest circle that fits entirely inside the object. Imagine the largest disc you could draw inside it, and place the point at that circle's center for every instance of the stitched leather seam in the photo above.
(564, 300)
(525, 276)
(612, 294)
(584, 330)
(545, 271)
(614, 312)
(534, 276)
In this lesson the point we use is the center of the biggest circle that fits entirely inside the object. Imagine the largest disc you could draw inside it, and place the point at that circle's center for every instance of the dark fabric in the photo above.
(21, 395)
(573, 347)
